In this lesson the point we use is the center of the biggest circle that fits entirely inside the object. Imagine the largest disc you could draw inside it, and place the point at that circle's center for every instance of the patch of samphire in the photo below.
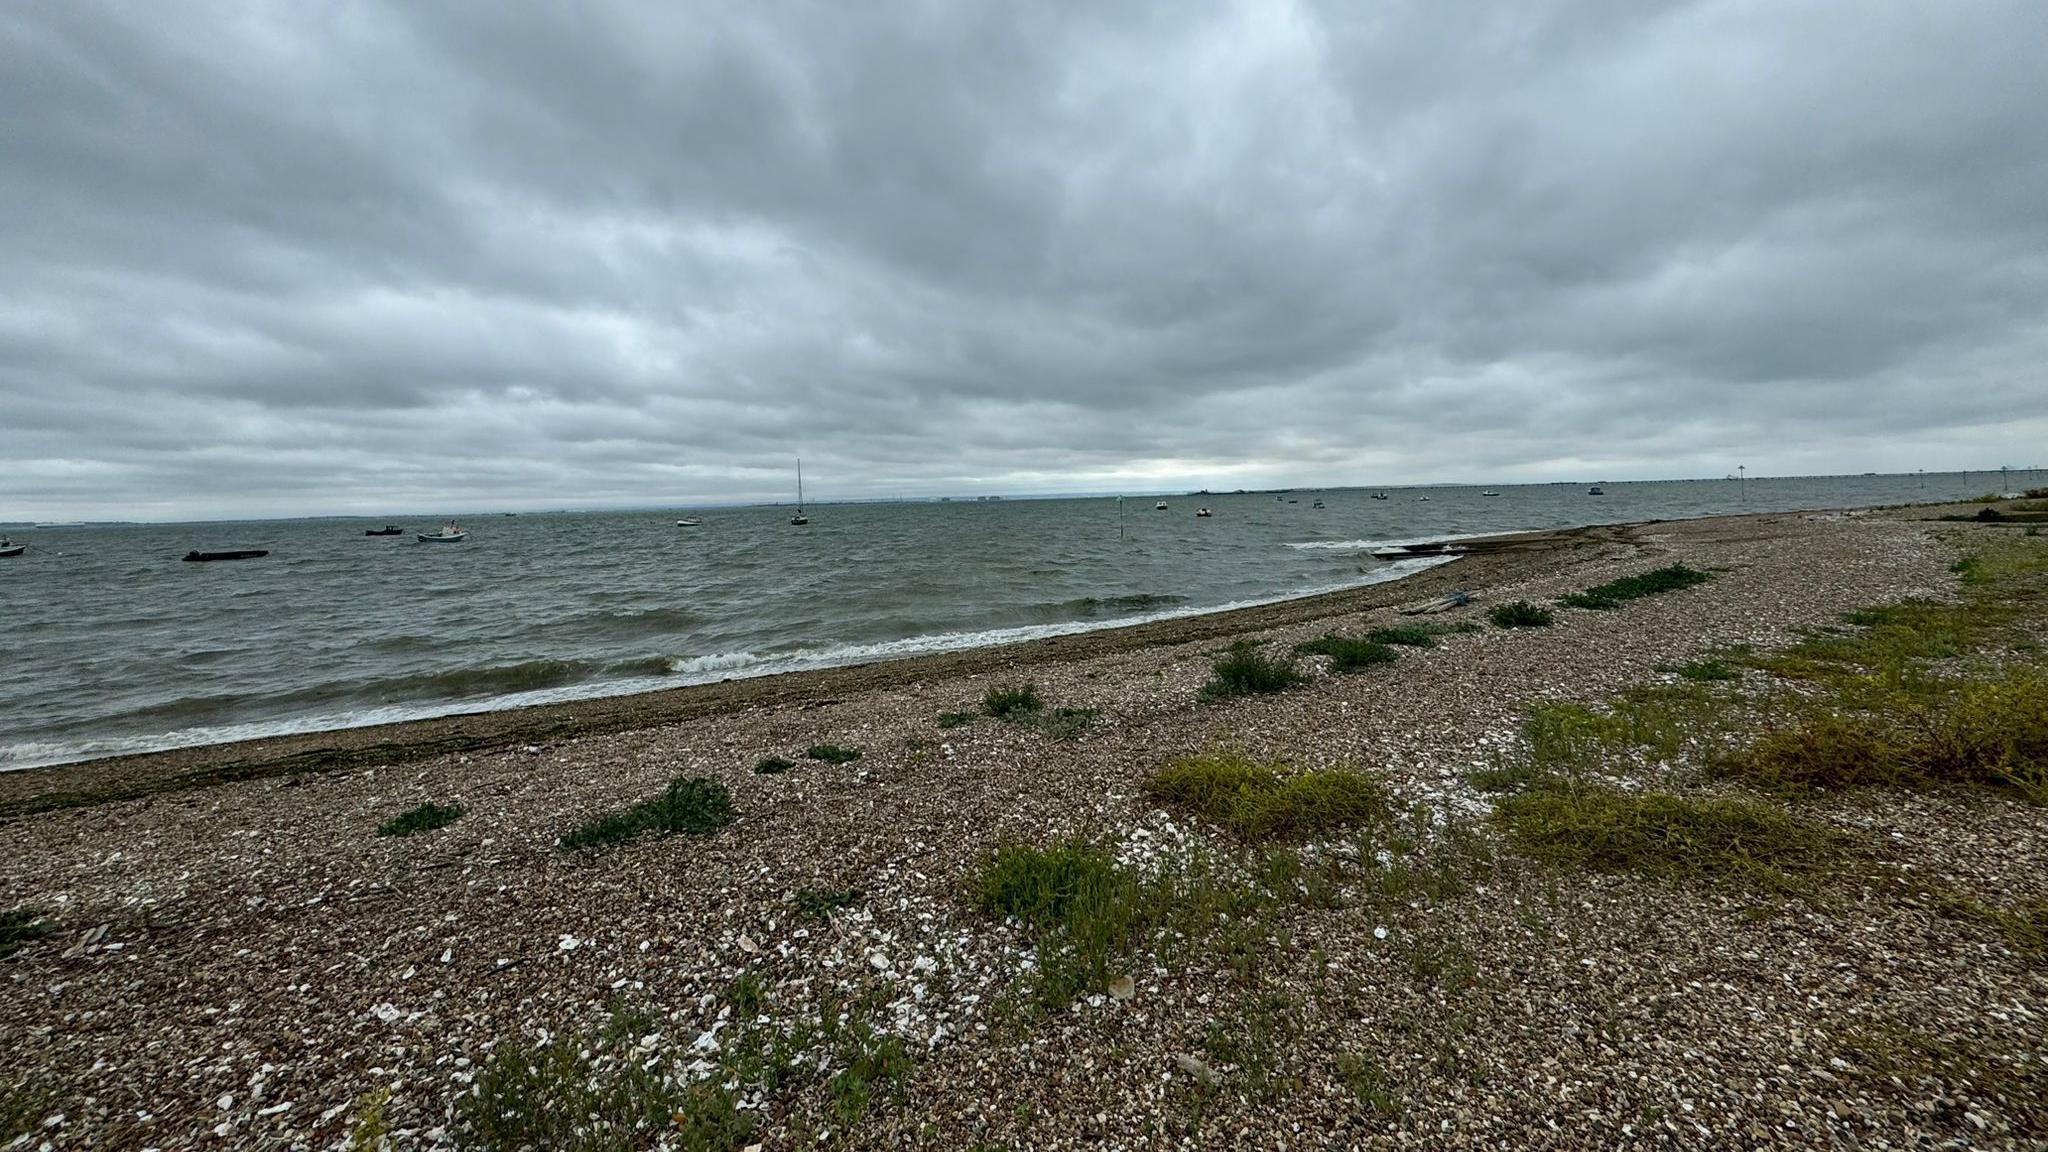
(1615, 593)
(1667, 835)
(1261, 801)
(692, 805)
(1088, 916)
(626, 1084)
(1520, 614)
(832, 753)
(1021, 704)
(772, 766)
(1245, 670)
(1347, 653)
(424, 818)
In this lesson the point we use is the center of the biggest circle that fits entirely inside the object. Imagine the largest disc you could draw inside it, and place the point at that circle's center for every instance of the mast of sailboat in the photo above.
(799, 518)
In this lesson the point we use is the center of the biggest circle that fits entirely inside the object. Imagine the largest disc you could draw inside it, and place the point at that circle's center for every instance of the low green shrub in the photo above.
(772, 766)
(1012, 703)
(424, 818)
(832, 753)
(1615, 593)
(1245, 671)
(1520, 614)
(1408, 635)
(692, 805)
(1259, 801)
(1662, 834)
(1346, 653)
(955, 719)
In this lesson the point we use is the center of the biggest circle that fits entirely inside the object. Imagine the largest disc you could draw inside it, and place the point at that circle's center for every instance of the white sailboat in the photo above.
(799, 519)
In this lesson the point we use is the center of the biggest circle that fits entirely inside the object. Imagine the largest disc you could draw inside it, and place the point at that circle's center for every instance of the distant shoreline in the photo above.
(1494, 559)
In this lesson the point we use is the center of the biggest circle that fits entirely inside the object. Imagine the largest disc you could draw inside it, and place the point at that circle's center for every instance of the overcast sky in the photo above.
(282, 258)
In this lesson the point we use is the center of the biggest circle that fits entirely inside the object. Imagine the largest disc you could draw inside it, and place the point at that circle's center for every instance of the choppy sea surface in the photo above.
(116, 645)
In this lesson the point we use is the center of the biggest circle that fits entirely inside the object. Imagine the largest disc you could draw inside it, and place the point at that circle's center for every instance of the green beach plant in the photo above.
(691, 805)
(772, 766)
(1519, 614)
(424, 818)
(1348, 654)
(1012, 702)
(1615, 593)
(1263, 801)
(1244, 670)
(832, 753)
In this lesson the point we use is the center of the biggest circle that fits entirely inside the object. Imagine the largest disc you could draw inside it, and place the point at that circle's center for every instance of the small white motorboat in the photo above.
(1202, 513)
(450, 533)
(689, 522)
(1489, 492)
(1159, 507)
(10, 548)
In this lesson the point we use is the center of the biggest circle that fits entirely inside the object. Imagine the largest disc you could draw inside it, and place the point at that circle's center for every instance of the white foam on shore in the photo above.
(1370, 545)
(683, 672)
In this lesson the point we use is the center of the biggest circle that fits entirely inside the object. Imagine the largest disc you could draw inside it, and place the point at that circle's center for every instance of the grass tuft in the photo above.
(1520, 614)
(955, 719)
(1407, 635)
(692, 805)
(1707, 670)
(772, 766)
(1246, 671)
(1661, 834)
(18, 926)
(595, 1090)
(1615, 593)
(1013, 702)
(1348, 654)
(1083, 909)
(424, 818)
(816, 904)
(1257, 801)
(832, 753)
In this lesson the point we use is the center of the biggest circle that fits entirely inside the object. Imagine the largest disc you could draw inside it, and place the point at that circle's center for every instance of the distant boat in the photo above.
(799, 519)
(450, 533)
(1489, 492)
(689, 522)
(236, 554)
(1420, 499)
(1159, 507)
(1317, 504)
(1379, 495)
(1596, 490)
(10, 548)
(1202, 513)
(387, 530)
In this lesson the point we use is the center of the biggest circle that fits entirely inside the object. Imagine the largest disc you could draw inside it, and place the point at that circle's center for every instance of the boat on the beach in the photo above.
(196, 556)
(450, 533)
(799, 519)
(387, 530)
(10, 548)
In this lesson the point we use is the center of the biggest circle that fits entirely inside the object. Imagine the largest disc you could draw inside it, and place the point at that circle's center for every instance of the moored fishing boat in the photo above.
(387, 530)
(10, 548)
(450, 533)
(196, 556)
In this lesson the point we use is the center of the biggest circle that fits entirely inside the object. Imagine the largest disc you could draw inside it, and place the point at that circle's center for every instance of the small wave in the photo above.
(1370, 545)
(1121, 605)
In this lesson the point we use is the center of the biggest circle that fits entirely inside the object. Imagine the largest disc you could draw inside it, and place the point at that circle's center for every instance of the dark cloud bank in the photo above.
(293, 258)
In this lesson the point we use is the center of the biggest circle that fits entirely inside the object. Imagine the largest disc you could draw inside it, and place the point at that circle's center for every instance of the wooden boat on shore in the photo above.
(387, 530)
(195, 556)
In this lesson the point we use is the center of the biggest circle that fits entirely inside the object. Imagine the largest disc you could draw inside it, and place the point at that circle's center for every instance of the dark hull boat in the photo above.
(7, 549)
(237, 554)
(387, 530)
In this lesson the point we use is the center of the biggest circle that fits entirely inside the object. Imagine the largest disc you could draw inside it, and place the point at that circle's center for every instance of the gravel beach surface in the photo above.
(231, 957)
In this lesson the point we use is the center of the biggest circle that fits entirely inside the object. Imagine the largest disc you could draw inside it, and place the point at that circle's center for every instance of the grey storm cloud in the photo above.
(293, 258)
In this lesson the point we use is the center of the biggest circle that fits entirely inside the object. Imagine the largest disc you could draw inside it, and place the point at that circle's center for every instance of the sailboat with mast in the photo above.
(799, 519)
